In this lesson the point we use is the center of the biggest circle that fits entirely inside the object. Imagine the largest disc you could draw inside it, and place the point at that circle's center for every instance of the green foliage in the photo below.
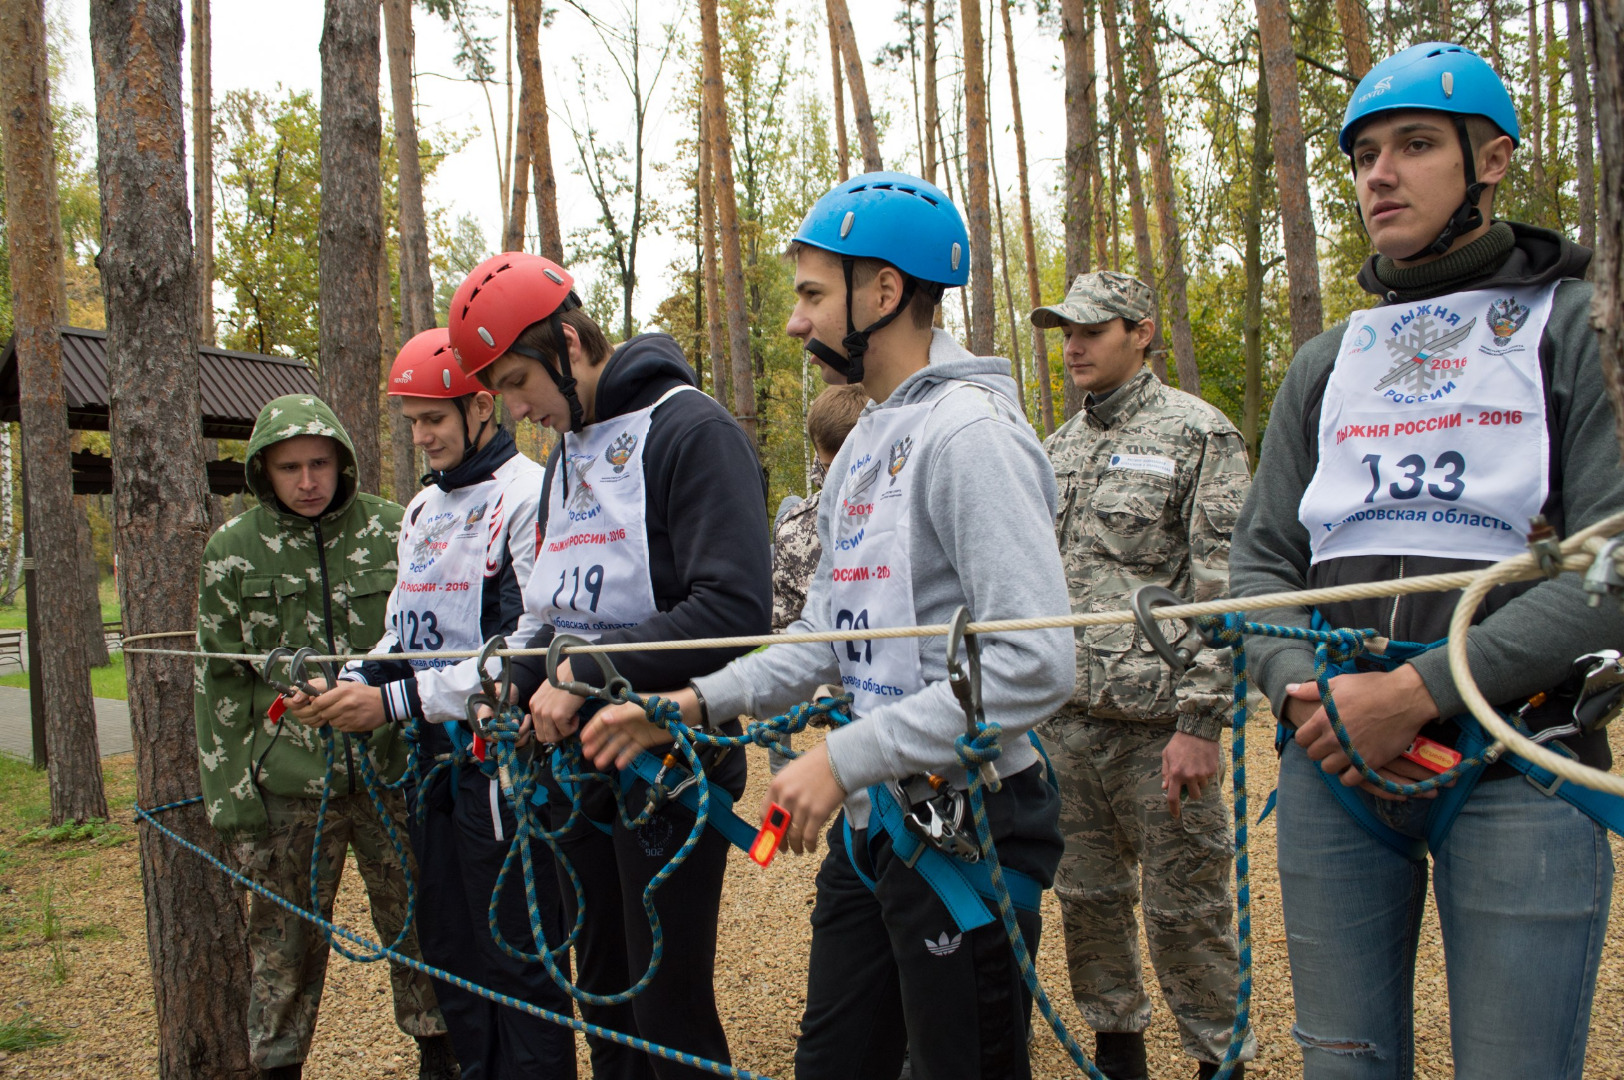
(98, 830)
(22, 1032)
(267, 220)
(268, 217)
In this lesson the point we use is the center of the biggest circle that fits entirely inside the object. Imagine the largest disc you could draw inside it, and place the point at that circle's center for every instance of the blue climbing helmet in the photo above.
(898, 219)
(1439, 77)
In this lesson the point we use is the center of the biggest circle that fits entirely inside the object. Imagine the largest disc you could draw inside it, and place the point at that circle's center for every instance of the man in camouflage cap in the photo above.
(311, 565)
(1151, 480)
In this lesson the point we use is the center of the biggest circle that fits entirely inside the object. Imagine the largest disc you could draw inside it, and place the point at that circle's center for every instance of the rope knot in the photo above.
(982, 749)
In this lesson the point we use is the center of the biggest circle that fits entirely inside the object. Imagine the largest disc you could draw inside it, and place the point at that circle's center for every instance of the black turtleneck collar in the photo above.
(1509, 254)
(478, 466)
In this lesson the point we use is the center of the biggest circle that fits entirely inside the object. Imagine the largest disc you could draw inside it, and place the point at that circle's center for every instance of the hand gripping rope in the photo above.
(1221, 623)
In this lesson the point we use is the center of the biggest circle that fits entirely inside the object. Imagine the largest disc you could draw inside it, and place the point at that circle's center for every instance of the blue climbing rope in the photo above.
(386, 952)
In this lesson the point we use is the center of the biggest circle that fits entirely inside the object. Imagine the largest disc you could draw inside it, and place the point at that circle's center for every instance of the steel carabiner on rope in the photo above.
(965, 679)
(296, 671)
(615, 687)
(1177, 655)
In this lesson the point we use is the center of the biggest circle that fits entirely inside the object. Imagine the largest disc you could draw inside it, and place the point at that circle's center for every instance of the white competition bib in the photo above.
(441, 580)
(1432, 433)
(592, 573)
(872, 573)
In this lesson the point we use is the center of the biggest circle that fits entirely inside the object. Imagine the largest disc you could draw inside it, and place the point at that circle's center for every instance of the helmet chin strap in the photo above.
(850, 366)
(470, 443)
(1466, 216)
(561, 376)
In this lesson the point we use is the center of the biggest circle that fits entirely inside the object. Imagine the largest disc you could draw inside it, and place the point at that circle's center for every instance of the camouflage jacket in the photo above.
(795, 559)
(1151, 480)
(262, 586)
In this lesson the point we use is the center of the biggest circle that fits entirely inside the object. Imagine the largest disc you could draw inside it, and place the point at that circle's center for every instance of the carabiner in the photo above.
(296, 671)
(490, 695)
(1144, 600)
(614, 689)
(966, 684)
(274, 657)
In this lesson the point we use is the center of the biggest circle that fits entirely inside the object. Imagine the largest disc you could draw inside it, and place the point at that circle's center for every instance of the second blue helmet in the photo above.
(1437, 76)
(894, 217)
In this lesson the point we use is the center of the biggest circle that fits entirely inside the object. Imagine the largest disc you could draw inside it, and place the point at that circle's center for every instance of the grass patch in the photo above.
(95, 829)
(23, 1032)
(95, 932)
(25, 795)
(14, 616)
(105, 682)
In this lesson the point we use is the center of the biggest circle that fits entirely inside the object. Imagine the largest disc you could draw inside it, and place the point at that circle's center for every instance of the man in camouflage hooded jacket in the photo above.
(1151, 480)
(311, 565)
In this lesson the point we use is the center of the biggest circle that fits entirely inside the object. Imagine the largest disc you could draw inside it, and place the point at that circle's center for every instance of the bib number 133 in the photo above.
(1442, 479)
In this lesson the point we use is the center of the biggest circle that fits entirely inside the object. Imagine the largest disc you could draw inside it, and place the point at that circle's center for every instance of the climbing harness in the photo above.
(1221, 624)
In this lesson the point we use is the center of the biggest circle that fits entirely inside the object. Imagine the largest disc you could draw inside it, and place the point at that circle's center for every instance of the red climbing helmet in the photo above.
(425, 368)
(499, 300)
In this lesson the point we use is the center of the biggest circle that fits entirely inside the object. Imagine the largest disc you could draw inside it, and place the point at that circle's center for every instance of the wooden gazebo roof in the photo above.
(235, 386)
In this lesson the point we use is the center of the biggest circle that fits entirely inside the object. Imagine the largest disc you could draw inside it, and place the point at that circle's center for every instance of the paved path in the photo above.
(112, 725)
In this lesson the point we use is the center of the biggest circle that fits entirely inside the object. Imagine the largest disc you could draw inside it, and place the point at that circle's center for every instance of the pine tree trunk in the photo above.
(1446, 21)
(1079, 134)
(1161, 167)
(1291, 172)
(982, 307)
(402, 454)
(416, 279)
(203, 168)
(713, 282)
(1605, 33)
(1553, 112)
(742, 375)
(93, 641)
(195, 932)
(842, 146)
(519, 193)
(1536, 87)
(1583, 111)
(1355, 22)
(1016, 367)
(1494, 35)
(1122, 111)
(1034, 294)
(351, 193)
(34, 232)
(1252, 405)
(533, 121)
(862, 114)
(527, 28)
(1091, 143)
(932, 109)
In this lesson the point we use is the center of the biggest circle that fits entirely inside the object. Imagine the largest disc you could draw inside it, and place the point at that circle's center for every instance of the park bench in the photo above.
(11, 648)
(113, 634)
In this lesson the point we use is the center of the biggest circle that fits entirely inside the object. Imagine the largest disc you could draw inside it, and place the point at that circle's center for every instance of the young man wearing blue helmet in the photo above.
(938, 486)
(1420, 437)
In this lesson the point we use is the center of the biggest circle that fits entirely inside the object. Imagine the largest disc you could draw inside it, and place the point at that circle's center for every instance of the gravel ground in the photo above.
(104, 1002)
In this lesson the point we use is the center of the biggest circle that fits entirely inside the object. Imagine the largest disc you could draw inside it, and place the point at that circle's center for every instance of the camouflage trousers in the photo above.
(1119, 833)
(289, 955)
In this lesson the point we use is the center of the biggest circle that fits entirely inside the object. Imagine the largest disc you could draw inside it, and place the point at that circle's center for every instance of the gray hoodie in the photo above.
(982, 537)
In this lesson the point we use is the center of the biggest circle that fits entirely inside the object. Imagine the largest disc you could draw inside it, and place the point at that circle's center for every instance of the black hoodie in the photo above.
(706, 513)
(1526, 635)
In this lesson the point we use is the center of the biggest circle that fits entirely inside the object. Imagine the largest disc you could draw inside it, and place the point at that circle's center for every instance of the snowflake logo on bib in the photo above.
(620, 451)
(1506, 317)
(1413, 352)
(432, 540)
(899, 456)
(583, 500)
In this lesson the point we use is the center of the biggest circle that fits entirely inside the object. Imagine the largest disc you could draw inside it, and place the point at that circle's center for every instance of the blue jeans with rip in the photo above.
(1523, 883)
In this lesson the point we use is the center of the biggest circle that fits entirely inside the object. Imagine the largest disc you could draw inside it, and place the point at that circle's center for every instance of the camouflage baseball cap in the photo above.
(1099, 297)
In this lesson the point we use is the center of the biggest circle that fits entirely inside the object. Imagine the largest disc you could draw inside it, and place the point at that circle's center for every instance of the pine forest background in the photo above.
(1181, 170)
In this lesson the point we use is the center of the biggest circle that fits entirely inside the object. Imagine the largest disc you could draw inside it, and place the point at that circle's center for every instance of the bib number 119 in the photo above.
(575, 582)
